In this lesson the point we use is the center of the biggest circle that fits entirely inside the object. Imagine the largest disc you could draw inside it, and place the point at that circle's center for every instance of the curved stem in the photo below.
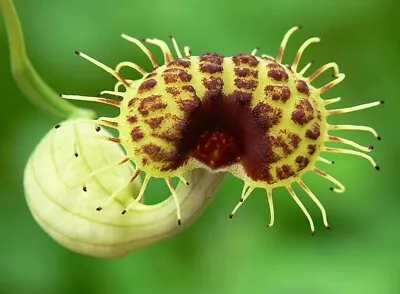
(25, 75)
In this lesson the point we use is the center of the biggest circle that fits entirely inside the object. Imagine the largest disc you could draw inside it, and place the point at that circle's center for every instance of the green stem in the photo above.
(28, 80)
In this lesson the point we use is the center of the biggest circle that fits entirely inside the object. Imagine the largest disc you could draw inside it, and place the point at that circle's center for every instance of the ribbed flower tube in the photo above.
(60, 166)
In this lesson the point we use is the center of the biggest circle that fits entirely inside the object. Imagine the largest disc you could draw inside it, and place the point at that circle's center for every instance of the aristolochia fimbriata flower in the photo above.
(246, 114)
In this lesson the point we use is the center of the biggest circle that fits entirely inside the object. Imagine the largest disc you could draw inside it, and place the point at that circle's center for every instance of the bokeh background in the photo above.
(217, 255)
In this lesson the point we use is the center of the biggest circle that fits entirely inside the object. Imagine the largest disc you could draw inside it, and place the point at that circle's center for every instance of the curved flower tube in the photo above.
(59, 167)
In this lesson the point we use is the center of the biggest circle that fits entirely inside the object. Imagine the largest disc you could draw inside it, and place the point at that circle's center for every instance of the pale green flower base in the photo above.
(54, 178)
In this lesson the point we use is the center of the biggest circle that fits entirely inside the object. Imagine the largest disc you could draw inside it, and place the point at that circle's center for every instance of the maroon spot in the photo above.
(245, 59)
(132, 119)
(188, 105)
(210, 68)
(277, 72)
(136, 134)
(304, 112)
(314, 132)
(302, 162)
(277, 92)
(213, 83)
(188, 88)
(297, 116)
(294, 140)
(267, 150)
(280, 141)
(154, 122)
(214, 86)
(318, 114)
(212, 58)
(263, 173)
(266, 115)
(243, 98)
(172, 75)
(284, 172)
(170, 78)
(147, 85)
(173, 91)
(302, 87)
(246, 72)
(151, 103)
(185, 76)
(180, 62)
(173, 134)
(311, 149)
(151, 149)
(159, 154)
(246, 84)
(211, 63)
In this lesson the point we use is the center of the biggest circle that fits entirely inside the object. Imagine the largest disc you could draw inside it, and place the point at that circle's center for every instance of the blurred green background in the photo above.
(217, 255)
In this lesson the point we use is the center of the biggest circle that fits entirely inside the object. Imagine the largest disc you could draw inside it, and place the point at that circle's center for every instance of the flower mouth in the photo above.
(221, 132)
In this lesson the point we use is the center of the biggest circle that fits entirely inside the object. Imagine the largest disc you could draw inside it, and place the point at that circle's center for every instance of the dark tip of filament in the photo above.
(379, 138)
(331, 188)
(98, 129)
(328, 227)
(371, 147)
(84, 189)
(179, 222)
(241, 199)
(312, 233)
(77, 52)
(333, 162)
(377, 167)
(171, 37)
(123, 212)
(299, 26)
(76, 154)
(231, 216)
(99, 208)
(57, 126)
(382, 102)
